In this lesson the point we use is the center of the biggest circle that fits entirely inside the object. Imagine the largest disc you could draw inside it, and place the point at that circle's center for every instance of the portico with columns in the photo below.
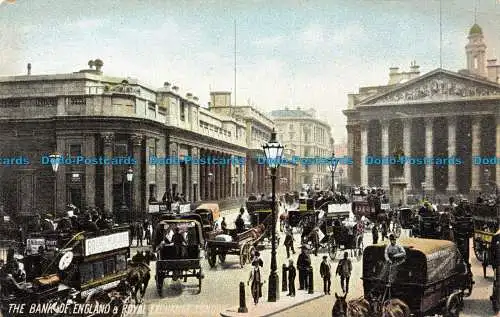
(453, 129)
(444, 122)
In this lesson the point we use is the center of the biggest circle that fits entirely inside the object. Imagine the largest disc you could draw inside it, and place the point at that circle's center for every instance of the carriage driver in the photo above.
(394, 253)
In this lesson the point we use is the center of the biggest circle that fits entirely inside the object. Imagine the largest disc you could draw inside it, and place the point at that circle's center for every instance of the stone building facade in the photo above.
(441, 114)
(258, 127)
(305, 136)
(90, 114)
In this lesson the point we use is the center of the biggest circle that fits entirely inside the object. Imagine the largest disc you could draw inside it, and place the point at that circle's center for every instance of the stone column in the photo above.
(497, 168)
(202, 179)
(161, 170)
(212, 179)
(476, 151)
(137, 179)
(60, 190)
(429, 152)
(452, 152)
(90, 171)
(350, 153)
(385, 153)
(407, 151)
(364, 153)
(108, 140)
(195, 175)
(224, 179)
(173, 168)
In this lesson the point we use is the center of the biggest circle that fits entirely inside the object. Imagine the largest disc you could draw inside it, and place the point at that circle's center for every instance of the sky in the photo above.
(288, 52)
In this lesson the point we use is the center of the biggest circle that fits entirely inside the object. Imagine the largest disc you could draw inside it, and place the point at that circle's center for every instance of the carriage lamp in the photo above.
(130, 175)
(273, 150)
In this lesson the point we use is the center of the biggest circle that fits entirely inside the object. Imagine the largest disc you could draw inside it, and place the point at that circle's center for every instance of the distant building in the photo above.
(305, 136)
(258, 128)
(441, 114)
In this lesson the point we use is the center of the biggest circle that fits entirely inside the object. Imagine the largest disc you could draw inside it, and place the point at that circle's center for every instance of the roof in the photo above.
(426, 246)
(475, 29)
(208, 207)
(289, 113)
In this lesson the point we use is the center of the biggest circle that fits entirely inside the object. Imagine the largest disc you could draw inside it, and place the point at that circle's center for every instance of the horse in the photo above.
(361, 307)
(138, 278)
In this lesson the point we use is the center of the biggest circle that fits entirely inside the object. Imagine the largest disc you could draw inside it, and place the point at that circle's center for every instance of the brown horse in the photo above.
(360, 307)
(138, 278)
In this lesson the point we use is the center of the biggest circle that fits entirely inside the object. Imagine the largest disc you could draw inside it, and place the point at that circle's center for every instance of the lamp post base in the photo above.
(274, 286)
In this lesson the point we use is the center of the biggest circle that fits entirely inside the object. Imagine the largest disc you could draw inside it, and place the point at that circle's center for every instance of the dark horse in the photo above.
(138, 278)
(360, 307)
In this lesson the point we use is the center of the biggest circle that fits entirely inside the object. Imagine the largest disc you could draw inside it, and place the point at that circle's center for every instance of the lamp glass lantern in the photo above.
(130, 175)
(273, 151)
(54, 161)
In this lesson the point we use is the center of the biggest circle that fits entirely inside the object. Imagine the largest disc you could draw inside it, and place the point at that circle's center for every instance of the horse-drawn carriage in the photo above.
(178, 241)
(433, 279)
(77, 267)
(485, 226)
(210, 215)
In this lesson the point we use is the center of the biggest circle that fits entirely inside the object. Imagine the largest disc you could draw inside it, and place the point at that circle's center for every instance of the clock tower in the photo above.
(476, 52)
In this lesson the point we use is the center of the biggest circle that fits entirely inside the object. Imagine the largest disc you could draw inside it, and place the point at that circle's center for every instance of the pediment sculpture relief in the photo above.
(441, 87)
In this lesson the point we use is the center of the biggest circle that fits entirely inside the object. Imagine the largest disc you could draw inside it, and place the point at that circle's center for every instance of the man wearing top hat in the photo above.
(303, 265)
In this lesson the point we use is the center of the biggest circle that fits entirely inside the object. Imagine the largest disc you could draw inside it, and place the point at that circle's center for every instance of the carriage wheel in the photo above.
(250, 254)
(212, 257)
(243, 255)
(200, 277)
(469, 283)
(478, 250)
(453, 305)
(222, 258)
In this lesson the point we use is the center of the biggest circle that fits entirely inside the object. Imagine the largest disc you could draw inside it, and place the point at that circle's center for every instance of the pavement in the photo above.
(272, 308)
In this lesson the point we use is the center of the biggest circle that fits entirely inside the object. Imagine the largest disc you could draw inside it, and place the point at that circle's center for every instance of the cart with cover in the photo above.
(210, 215)
(178, 243)
(433, 279)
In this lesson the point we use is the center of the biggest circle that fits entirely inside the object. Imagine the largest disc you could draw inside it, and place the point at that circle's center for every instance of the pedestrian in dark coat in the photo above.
(223, 225)
(255, 278)
(384, 230)
(375, 233)
(303, 265)
(139, 233)
(289, 243)
(344, 269)
(292, 272)
(325, 272)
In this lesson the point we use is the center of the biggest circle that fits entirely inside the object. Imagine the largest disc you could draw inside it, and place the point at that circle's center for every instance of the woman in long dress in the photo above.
(256, 280)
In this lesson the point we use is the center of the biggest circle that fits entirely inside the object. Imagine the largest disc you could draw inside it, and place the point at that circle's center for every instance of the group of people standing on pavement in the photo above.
(140, 231)
(305, 269)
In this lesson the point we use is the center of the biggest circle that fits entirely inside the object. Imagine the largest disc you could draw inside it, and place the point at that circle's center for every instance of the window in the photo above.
(151, 106)
(75, 150)
(86, 274)
(98, 268)
(182, 111)
(121, 263)
(77, 101)
(109, 266)
(475, 63)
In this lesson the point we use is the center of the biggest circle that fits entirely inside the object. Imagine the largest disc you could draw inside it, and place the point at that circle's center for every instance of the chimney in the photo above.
(166, 84)
(189, 96)
(209, 105)
(394, 75)
(414, 68)
(195, 98)
(493, 70)
(29, 69)
(298, 108)
(175, 88)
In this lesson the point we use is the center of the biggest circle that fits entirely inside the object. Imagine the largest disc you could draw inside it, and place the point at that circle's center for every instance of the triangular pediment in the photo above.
(438, 85)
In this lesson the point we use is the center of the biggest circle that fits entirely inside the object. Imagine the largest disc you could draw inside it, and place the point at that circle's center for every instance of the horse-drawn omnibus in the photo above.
(434, 278)
(486, 224)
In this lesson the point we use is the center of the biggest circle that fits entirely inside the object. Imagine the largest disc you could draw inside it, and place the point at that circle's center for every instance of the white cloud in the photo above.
(271, 41)
(314, 34)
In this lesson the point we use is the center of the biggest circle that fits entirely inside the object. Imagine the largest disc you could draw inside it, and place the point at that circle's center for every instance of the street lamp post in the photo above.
(128, 176)
(332, 167)
(54, 161)
(273, 150)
